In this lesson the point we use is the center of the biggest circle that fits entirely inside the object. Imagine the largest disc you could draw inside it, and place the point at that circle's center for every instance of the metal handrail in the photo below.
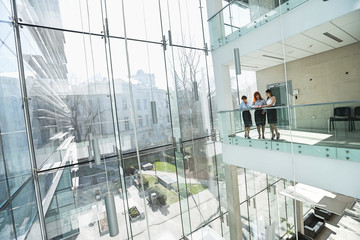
(220, 10)
(294, 106)
(231, 2)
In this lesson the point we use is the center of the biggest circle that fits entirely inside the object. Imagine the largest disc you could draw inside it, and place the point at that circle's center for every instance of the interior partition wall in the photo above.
(107, 98)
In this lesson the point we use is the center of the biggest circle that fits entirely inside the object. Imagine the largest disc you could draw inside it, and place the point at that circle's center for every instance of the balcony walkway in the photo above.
(351, 140)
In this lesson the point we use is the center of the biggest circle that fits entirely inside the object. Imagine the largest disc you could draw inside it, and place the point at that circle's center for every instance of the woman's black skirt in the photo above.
(272, 116)
(260, 118)
(247, 118)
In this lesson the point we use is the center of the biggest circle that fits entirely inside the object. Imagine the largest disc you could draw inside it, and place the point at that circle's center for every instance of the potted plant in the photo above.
(134, 213)
(290, 228)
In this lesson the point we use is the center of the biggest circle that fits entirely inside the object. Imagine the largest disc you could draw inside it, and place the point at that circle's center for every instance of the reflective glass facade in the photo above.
(117, 117)
(106, 97)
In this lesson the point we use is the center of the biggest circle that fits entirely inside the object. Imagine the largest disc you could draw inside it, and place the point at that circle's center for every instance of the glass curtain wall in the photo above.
(107, 120)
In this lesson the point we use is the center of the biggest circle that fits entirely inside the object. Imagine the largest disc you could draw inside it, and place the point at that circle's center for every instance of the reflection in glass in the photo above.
(14, 149)
(34, 231)
(184, 20)
(146, 24)
(3, 181)
(5, 10)
(24, 209)
(6, 225)
(69, 101)
(201, 185)
(68, 14)
(77, 206)
(148, 84)
(68, 88)
(189, 67)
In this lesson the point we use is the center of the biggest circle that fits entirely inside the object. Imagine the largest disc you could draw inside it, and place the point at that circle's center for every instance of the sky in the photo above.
(85, 54)
(142, 22)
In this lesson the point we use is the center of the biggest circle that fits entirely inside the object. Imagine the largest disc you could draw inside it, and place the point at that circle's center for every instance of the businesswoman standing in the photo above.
(271, 114)
(260, 116)
(245, 107)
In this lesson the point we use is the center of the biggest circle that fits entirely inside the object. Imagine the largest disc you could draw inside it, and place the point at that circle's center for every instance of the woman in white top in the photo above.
(272, 114)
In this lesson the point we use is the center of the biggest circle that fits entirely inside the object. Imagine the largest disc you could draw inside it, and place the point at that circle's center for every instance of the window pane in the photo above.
(6, 226)
(3, 188)
(5, 56)
(192, 92)
(67, 14)
(202, 189)
(66, 76)
(24, 209)
(34, 232)
(12, 128)
(142, 19)
(17, 159)
(184, 20)
(77, 206)
(148, 85)
(115, 17)
(161, 191)
(5, 10)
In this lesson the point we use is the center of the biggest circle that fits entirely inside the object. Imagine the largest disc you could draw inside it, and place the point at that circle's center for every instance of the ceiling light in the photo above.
(268, 56)
(237, 61)
(329, 35)
(249, 66)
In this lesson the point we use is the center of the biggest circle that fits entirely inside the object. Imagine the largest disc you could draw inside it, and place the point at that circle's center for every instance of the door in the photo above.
(283, 98)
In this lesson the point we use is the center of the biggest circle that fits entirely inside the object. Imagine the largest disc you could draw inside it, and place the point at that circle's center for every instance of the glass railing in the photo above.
(238, 18)
(310, 129)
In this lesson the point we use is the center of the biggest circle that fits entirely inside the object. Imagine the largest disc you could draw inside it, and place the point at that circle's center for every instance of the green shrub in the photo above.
(134, 212)
(145, 181)
(161, 197)
(130, 170)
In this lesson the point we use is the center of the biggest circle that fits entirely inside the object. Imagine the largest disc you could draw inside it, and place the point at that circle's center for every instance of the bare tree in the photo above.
(189, 78)
(75, 103)
(82, 111)
(186, 74)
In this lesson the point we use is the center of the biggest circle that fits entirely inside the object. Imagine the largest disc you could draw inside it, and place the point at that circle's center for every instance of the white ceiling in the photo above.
(310, 42)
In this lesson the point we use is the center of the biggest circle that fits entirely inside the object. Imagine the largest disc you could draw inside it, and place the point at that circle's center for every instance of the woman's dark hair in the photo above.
(243, 97)
(255, 94)
(270, 92)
